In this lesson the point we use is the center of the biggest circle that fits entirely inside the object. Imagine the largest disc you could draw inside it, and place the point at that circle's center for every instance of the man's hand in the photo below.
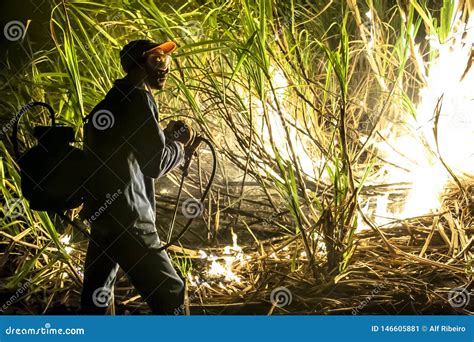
(181, 132)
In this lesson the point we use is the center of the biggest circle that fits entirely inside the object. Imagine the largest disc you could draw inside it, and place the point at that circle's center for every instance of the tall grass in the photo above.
(291, 93)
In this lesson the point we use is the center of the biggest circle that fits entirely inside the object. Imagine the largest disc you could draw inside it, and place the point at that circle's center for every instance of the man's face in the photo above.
(157, 69)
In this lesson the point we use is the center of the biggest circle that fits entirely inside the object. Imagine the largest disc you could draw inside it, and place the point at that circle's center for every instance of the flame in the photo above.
(65, 239)
(219, 270)
(409, 145)
(233, 256)
(413, 147)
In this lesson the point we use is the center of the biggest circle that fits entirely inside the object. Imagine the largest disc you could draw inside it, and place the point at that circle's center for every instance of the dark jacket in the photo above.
(127, 149)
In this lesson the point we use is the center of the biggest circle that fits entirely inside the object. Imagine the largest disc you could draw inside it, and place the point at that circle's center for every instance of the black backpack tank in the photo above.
(53, 173)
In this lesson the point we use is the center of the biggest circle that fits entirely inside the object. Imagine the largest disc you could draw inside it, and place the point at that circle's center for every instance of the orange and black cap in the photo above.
(133, 53)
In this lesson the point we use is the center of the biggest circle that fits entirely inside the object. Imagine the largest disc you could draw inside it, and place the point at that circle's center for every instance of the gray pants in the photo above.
(135, 251)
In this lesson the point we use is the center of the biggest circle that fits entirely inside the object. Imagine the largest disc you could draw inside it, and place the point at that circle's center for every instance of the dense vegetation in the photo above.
(295, 95)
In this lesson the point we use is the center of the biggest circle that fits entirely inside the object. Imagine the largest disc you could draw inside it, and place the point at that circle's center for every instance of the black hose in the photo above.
(203, 197)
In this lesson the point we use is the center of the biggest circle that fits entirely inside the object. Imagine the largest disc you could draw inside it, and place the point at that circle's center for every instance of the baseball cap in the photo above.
(133, 53)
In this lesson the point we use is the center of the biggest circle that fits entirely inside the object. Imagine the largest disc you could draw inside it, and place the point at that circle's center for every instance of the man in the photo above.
(129, 150)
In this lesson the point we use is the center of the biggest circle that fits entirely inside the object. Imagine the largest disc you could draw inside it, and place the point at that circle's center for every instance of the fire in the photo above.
(66, 240)
(223, 267)
(409, 146)
(414, 147)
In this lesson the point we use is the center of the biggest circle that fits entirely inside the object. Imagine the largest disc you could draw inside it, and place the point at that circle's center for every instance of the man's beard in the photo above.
(156, 83)
(155, 77)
